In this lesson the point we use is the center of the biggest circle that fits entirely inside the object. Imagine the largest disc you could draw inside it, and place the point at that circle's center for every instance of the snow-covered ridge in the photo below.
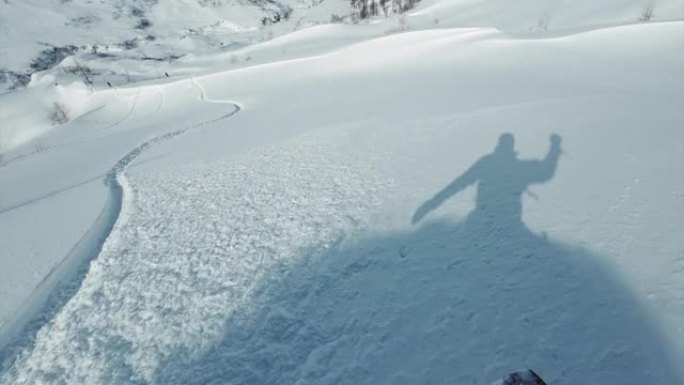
(131, 40)
(107, 47)
(38, 35)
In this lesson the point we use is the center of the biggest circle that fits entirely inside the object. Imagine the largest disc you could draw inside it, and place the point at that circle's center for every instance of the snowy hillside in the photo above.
(123, 41)
(106, 37)
(442, 197)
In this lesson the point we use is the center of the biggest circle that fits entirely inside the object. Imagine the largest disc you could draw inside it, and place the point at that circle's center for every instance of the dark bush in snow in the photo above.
(278, 12)
(59, 114)
(50, 57)
(137, 12)
(143, 24)
(130, 43)
(368, 8)
(14, 79)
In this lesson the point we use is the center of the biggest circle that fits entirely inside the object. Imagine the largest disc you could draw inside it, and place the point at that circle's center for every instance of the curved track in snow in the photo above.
(97, 133)
(63, 280)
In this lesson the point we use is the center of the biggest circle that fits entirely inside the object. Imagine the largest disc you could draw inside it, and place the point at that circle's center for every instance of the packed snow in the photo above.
(440, 197)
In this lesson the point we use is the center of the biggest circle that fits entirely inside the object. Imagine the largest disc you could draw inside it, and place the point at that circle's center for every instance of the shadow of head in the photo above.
(441, 304)
(506, 145)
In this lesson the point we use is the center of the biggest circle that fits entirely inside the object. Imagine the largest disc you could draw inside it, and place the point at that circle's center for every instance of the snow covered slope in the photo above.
(129, 40)
(254, 224)
(114, 44)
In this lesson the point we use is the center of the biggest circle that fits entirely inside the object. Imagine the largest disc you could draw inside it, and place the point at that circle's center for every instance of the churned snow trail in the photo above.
(62, 282)
(192, 248)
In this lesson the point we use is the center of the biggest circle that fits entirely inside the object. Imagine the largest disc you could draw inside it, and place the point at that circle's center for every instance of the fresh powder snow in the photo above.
(443, 196)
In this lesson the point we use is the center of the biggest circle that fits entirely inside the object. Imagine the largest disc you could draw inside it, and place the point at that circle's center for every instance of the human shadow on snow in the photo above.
(448, 303)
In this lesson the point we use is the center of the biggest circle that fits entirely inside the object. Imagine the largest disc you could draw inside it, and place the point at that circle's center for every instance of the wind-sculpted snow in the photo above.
(189, 252)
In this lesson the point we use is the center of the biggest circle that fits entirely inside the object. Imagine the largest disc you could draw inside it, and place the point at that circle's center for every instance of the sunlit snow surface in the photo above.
(259, 230)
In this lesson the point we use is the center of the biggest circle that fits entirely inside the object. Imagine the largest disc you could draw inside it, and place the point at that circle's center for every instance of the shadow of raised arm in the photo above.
(540, 171)
(467, 178)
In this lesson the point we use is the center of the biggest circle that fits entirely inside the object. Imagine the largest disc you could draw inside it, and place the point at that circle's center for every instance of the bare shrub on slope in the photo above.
(60, 114)
(647, 11)
(369, 8)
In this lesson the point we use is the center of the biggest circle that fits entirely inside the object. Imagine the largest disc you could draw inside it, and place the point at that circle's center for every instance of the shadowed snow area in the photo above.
(457, 301)
(447, 303)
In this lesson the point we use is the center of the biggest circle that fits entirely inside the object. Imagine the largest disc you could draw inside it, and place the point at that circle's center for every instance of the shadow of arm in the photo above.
(467, 178)
(540, 171)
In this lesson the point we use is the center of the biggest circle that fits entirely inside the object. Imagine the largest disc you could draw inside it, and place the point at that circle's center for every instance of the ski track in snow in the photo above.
(99, 132)
(67, 275)
(188, 250)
